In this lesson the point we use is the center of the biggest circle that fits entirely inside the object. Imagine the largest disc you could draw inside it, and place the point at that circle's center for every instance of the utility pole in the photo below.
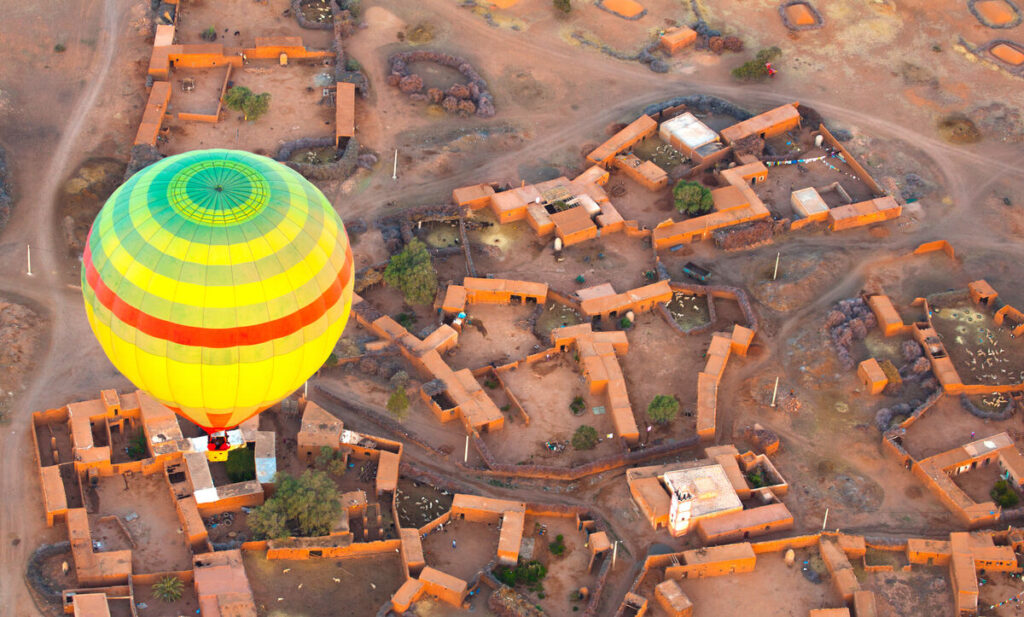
(394, 170)
(28, 256)
(775, 392)
(305, 390)
(775, 274)
(825, 520)
(615, 553)
(465, 452)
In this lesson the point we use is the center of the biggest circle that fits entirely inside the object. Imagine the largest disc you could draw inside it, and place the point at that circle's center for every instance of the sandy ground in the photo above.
(553, 97)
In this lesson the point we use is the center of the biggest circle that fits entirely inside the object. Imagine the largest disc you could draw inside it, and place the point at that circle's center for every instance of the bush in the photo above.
(584, 438)
(625, 323)
(398, 403)
(241, 465)
(209, 35)
(692, 198)
(330, 460)
(406, 320)
(60, 48)
(303, 506)
(412, 273)
(251, 105)
(137, 449)
(558, 546)
(564, 6)
(529, 573)
(756, 478)
(168, 589)
(663, 408)
(577, 405)
(1004, 495)
(755, 70)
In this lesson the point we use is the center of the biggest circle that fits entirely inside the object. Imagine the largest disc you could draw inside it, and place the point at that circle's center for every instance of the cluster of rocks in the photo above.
(746, 235)
(847, 322)
(470, 98)
(916, 367)
(886, 416)
(507, 602)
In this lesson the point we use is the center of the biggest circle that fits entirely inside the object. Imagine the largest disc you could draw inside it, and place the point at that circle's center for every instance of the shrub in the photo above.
(756, 478)
(210, 34)
(529, 573)
(241, 465)
(304, 506)
(584, 438)
(663, 408)
(412, 273)
(60, 48)
(564, 6)
(577, 405)
(330, 460)
(332, 360)
(1004, 495)
(406, 320)
(558, 546)
(398, 403)
(755, 70)
(137, 449)
(692, 198)
(625, 323)
(168, 589)
(491, 384)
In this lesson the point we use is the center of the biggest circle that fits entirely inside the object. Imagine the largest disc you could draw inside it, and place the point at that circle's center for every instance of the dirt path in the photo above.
(20, 520)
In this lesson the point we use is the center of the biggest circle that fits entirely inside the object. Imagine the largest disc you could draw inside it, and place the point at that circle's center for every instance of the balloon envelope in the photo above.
(217, 281)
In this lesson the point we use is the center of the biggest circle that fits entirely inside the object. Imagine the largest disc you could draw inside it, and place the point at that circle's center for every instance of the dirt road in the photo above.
(63, 367)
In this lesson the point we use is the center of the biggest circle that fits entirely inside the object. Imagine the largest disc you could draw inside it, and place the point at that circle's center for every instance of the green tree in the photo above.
(412, 273)
(663, 408)
(692, 198)
(241, 465)
(251, 105)
(1004, 495)
(584, 438)
(398, 403)
(564, 6)
(303, 506)
(168, 589)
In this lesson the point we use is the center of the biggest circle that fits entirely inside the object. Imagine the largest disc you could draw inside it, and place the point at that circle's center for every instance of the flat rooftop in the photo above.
(709, 486)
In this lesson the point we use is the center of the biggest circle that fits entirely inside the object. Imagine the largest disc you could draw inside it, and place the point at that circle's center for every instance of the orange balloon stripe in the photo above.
(217, 338)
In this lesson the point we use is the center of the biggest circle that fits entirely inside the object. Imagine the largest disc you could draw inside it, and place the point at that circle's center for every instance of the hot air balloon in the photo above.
(217, 281)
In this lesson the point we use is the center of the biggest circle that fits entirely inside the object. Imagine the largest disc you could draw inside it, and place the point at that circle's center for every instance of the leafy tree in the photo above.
(1004, 495)
(663, 408)
(692, 197)
(168, 589)
(625, 323)
(584, 438)
(241, 465)
(303, 506)
(251, 105)
(398, 403)
(577, 405)
(564, 6)
(412, 273)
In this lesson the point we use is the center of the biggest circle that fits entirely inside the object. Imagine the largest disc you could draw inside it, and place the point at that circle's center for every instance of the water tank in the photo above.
(819, 140)
(558, 244)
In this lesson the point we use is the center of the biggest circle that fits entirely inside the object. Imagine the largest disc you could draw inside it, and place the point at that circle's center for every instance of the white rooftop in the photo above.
(687, 129)
(709, 487)
(807, 202)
